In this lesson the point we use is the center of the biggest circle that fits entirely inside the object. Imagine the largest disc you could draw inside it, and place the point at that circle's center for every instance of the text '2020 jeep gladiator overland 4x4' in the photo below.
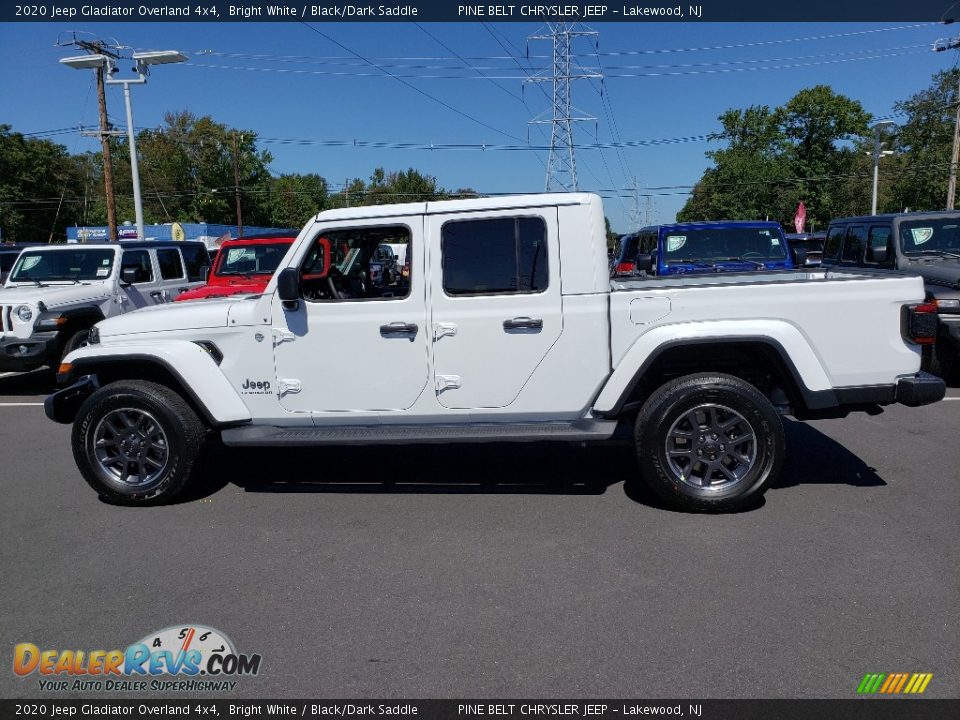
(509, 329)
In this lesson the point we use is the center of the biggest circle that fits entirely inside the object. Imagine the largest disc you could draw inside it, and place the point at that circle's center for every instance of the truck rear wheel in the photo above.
(709, 442)
(136, 442)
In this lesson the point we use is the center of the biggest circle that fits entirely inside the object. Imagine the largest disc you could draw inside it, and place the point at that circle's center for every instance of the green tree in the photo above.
(924, 144)
(774, 158)
(294, 198)
(38, 184)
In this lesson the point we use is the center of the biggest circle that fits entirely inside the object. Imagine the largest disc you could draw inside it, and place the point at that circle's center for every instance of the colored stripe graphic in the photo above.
(894, 683)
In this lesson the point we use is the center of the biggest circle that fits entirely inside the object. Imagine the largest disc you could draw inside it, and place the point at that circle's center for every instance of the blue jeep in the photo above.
(703, 247)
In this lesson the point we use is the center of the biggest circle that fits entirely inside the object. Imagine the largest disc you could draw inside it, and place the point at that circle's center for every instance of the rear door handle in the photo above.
(156, 294)
(523, 323)
(399, 328)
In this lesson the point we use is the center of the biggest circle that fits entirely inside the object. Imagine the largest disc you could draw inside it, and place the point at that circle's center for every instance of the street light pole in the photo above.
(106, 65)
(877, 154)
(134, 166)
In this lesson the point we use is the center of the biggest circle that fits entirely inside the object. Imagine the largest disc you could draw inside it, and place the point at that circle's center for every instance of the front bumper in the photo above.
(62, 406)
(18, 354)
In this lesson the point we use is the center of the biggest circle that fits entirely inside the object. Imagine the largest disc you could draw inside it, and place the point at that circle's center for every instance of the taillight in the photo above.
(921, 323)
(625, 268)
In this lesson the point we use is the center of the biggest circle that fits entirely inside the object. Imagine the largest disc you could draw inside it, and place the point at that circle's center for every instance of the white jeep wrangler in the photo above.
(56, 293)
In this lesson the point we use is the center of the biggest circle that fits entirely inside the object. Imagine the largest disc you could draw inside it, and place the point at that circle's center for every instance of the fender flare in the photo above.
(783, 338)
(190, 364)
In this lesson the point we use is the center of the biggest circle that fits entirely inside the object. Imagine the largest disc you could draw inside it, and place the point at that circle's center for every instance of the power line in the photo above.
(411, 85)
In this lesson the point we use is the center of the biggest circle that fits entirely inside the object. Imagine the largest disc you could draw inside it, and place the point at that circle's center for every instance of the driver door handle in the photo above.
(523, 323)
(399, 328)
(156, 294)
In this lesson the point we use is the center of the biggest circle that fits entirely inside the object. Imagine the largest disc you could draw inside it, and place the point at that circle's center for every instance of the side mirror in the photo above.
(644, 262)
(128, 275)
(288, 287)
(205, 271)
(877, 254)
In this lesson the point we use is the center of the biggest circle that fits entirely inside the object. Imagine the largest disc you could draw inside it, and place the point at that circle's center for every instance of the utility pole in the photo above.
(561, 162)
(878, 153)
(940, 46)
(100, 47)
(236, 185)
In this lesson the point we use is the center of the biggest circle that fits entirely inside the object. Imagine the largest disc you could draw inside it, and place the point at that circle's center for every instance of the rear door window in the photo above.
(494, 257)
(171, 267)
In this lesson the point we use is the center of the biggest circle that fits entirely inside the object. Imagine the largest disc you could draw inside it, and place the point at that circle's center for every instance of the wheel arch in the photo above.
(748, 356)
(188, 370)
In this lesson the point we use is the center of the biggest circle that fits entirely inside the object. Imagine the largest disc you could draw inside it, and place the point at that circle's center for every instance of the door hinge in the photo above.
(447, 382)
(281, 336)
(443, 330)
(288, 386)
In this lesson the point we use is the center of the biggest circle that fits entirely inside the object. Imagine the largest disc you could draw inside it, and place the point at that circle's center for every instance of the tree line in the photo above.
(190, 171)
(817, 148)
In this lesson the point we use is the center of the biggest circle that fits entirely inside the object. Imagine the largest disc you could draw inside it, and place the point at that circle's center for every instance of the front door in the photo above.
(352, 344)
(496, 303)
(145, 289)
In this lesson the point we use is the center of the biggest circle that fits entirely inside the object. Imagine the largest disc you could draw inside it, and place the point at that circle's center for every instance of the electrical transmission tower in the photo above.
(562, 163)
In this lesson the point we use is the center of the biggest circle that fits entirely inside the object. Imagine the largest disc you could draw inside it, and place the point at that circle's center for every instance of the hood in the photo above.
(53, 296)
(213, 291)
(173, 316)
(944, 272)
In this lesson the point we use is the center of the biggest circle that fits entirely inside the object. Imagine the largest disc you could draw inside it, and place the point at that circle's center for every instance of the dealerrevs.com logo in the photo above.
(190, 658)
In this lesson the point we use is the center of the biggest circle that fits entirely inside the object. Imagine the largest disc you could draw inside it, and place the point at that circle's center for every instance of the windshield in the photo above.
(49, 265)
(720, 244)
(920, 236)
(251, 259)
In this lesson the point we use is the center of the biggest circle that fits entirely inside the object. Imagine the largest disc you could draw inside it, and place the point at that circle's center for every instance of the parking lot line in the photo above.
(40, 404)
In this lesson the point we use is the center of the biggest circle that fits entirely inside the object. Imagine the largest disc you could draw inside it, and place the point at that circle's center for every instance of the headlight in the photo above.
(24, 313)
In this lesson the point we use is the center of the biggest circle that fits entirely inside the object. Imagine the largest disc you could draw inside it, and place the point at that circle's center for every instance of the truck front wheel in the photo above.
(136, 442)
(709, 442)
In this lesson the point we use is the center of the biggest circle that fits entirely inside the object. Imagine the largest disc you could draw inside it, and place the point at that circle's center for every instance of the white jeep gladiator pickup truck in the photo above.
(507, 329)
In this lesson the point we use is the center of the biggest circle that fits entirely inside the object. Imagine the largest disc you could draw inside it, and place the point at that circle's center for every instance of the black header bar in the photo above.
(600, 11)
(549, 709)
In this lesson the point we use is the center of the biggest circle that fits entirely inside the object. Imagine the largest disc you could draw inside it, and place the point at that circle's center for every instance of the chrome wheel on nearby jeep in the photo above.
(136, 442)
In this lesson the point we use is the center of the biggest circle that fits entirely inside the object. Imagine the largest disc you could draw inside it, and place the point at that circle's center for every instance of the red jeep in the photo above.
(243, 266)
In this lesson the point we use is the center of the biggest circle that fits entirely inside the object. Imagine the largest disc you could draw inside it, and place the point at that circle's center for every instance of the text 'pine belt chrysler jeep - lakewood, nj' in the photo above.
(507, 329)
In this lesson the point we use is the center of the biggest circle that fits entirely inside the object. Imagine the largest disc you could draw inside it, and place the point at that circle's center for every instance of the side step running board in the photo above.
(267, 435)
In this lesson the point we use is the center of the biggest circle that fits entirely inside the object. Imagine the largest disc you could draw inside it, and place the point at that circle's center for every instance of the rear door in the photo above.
(173, 277)
(495, 301)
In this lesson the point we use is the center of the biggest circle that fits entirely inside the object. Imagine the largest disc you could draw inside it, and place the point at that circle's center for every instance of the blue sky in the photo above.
(285, 81)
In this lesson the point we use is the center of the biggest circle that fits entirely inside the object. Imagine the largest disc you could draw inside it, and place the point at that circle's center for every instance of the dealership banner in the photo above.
(495, 709)
(447, 11)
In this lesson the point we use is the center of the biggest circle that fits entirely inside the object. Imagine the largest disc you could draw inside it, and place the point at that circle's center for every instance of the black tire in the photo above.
(72, 342)
(163, 468)
(671, 465)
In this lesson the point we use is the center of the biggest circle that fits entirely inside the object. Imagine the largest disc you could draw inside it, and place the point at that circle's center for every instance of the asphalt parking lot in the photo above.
(505, 570)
